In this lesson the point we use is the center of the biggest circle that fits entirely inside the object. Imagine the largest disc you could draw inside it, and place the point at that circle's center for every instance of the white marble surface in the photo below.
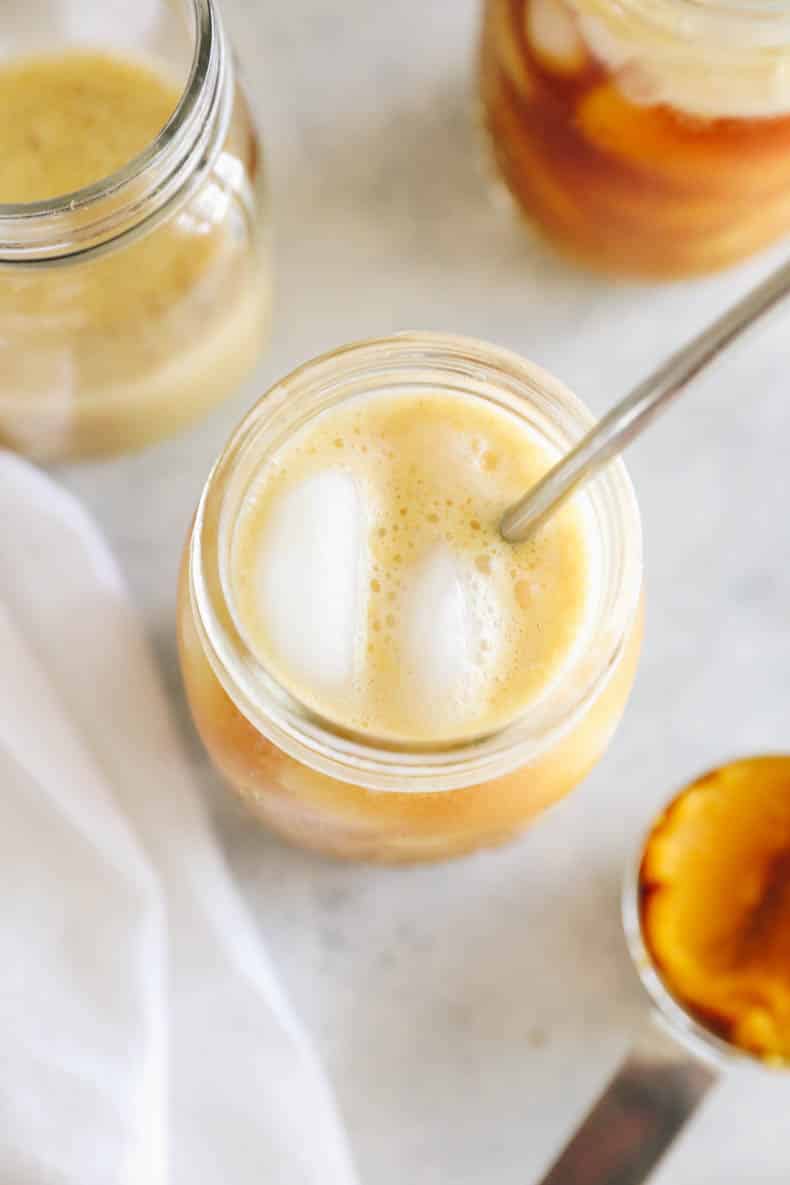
(468, 1013)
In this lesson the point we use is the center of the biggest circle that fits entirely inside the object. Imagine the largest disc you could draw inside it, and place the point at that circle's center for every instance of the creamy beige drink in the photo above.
(70, 120)
(372, 581)
(372, 667)
(111, 351)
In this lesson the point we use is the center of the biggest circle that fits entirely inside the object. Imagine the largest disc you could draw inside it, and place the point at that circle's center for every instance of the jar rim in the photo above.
(141, 193)
(471, 368)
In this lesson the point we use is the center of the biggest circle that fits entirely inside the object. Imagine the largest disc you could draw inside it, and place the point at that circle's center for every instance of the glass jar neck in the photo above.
(411, 362)
(135, 199)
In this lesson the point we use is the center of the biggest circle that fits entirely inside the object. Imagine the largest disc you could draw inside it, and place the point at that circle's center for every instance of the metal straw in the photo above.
(631, 415)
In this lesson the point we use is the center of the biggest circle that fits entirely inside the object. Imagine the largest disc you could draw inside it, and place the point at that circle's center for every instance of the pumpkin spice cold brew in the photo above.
(375, 671)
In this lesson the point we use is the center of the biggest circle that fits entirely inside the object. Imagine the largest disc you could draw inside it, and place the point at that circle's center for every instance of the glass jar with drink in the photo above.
(373, 668)
(134, 288)
(650, 139)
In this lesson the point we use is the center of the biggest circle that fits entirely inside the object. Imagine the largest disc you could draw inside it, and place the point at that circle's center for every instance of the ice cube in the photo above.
(451, 636)
(312, 579)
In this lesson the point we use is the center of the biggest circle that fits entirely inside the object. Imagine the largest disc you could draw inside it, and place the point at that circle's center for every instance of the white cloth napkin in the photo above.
(143, 1037)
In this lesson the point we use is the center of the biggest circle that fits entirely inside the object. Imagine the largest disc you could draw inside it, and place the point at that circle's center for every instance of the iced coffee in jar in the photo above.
(376, 672)
(643, 138)
(134, 288)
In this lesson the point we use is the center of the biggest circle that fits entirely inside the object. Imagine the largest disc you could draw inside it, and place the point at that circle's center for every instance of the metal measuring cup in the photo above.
(673, 1062)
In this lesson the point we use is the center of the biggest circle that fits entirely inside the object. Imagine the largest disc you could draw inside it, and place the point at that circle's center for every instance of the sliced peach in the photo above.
(521, 160)
(735, 156)
(715, 892)
(553, 34)
(502, 44)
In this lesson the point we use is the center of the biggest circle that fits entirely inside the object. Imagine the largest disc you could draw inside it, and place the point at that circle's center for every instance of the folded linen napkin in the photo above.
(144, 1039)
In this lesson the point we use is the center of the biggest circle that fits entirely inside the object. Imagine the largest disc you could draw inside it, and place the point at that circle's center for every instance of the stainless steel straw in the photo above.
(631, 415)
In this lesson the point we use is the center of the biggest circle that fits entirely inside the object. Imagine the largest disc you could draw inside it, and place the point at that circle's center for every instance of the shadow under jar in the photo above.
(650, 139)
(134, 288)
(340, 790)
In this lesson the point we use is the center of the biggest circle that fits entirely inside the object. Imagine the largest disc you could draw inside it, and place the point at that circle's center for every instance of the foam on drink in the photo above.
(370, 578)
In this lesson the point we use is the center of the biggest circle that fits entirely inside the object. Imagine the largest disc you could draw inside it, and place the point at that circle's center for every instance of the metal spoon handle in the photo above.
(640, 1112)
(631, 415)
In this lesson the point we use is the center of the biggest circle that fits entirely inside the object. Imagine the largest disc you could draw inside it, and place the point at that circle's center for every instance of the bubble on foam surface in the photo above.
(312, 575)
(452, 628)
(471, 454)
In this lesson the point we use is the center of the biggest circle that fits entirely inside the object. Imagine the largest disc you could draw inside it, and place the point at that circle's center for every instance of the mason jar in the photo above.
(644, 138)
(130, 306)
(348, 795)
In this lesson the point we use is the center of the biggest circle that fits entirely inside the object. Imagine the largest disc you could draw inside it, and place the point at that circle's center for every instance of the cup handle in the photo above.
(655, 1090)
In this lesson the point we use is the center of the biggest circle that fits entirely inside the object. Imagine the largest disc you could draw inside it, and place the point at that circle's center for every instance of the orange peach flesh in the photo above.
(626, 188)
(715, 903)
(348, 821)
